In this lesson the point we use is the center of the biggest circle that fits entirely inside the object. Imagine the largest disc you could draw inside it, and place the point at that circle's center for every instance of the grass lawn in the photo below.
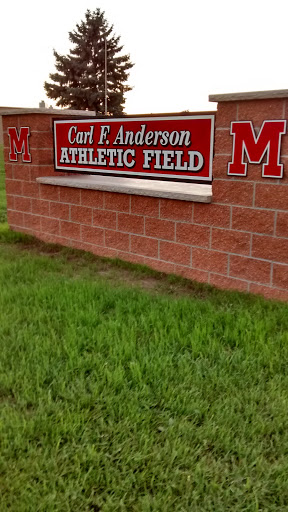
(125, 390)
(2, 188)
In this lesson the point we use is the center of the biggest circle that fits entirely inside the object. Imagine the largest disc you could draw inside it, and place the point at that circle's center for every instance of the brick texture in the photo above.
(253, 220)
(144, 246)
(176, 253)
(250, 269)
(238, 242)
(212, 261)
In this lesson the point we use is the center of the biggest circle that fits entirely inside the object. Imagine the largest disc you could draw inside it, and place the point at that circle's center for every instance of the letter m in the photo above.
(268, 141)
(19, 144)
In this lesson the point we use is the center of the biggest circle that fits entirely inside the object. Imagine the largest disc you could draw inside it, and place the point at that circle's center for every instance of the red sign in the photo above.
(267, 142)
(173, 148)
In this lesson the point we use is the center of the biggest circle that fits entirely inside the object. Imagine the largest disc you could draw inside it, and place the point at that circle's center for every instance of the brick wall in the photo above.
(239, 241)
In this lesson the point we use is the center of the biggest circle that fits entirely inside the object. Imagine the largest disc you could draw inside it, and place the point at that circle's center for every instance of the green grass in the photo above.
(125, 390)
(3, 214)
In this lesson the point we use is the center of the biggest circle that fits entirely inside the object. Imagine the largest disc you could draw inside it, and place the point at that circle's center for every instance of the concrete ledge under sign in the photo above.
(153, 188)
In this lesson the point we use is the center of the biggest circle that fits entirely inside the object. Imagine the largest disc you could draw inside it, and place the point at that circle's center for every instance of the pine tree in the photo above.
(80, 79)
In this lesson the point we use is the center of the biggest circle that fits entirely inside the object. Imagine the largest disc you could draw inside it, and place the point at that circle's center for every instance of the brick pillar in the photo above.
(258, 207)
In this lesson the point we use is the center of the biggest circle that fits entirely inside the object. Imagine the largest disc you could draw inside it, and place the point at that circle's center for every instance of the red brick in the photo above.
(21, 172)
(161, 229)
(131, 223)
(117, 240)
(15, 218)
(92, 235)
(177, 253)
(30, 189)
(162, 266)
(40, 207)
(212, 215)
(133, 258)
(10, 202)
(233, 192)
(231, 241)
(284, 144)
(210, 260)
(286, 111)
(51, 226)
(220, 166)
(192, 234)
(5, 139)
(81, 214)
(6, 154)
(50, 192)
(41, 139)
(36, 122)
(250, 269)
(144, 246)
(37, 171)
(10, 121)
(70, 230)
(280, 276)
(117, 202)
(70, 195)
(223, 142)
(93, 198)
(95, 249)
(255, 221)
(226, 112)
(175, 210)
(258, 111)
(104, 219)
(271, 196)
(28, 231)
(22, 204)
(269, 293)
(228, 283)
(148, 206)
(14, 187)
(282, 224)
(191, 273)
(103, 251)
(42, 156)
(59, 210)
(270, 248)
(284, 161)
(32, 221)
(54, 239)
(9, 171)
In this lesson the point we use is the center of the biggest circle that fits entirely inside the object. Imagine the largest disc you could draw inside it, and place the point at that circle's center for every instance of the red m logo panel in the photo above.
(268, 141)
(19, 144)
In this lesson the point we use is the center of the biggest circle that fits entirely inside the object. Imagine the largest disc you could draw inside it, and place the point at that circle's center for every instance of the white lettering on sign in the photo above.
(173, 160)
(268, 141)
(80, 137)
(19, 144)
(86, 156)
(152, 138)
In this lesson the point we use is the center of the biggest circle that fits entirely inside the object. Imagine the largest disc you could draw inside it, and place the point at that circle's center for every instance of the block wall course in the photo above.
(105, 219)
(175, 253)
(238, 242)
(158, 228)
(260, 110)
(145, 246)
(131, 223)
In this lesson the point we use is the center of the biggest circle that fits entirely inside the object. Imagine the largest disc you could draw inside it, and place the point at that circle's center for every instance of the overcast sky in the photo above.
(183, 51)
